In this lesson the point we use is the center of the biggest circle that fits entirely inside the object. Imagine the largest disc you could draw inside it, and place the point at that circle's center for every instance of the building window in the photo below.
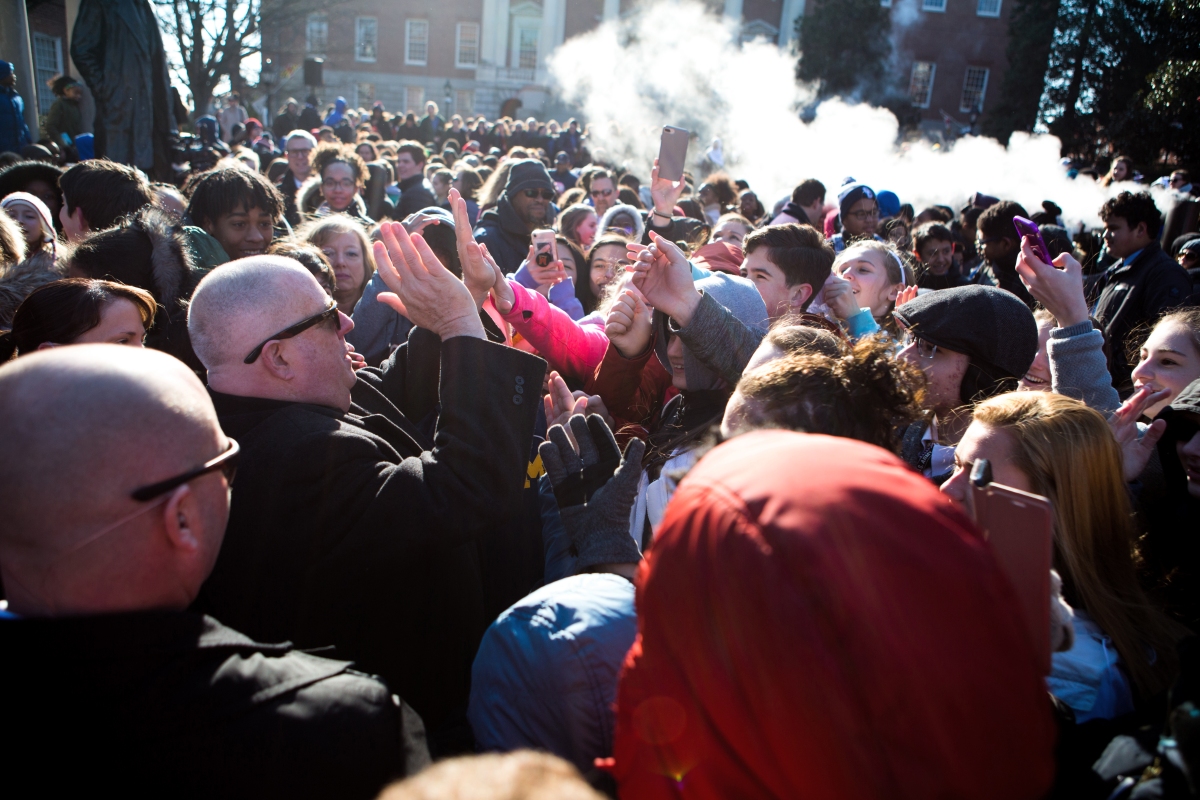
(466, 45)
(317, 34)
(47, 62)
(988, 8)
(934, 5)
(414, 99)
(364, 95)
(920, 87)
(366, 39)
(416, 42)
(974, 88)
(464, 102)
(527, 48)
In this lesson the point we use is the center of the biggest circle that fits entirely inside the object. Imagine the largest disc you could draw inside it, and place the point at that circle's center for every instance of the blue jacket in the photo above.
(14, 133)
(545, 676)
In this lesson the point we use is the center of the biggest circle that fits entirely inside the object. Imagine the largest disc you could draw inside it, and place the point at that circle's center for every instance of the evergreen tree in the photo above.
(1030, 34)
(844, 47)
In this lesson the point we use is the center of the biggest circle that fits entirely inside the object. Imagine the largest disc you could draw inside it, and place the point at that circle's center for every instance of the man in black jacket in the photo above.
(298, 147)
(139, 696)
(522, 209)
(415, 191)
(1143, 282)
(350, 526)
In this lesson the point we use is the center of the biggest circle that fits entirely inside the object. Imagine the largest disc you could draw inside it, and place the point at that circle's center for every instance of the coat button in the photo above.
(517, 399)
(520, 389)
(520, 380)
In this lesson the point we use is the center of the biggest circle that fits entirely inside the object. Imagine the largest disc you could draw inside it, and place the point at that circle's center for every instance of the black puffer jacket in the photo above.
(505, 234)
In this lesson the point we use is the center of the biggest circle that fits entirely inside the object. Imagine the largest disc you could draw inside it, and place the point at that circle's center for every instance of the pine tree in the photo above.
(1030, 34)
(844, 47)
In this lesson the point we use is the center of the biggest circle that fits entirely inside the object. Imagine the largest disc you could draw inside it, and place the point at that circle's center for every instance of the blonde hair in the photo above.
(320, 231)
(897, 270)
(521, 775)
(1070, 456)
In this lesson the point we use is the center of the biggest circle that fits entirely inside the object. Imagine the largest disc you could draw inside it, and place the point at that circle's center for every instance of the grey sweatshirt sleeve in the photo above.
(721, 341)
(1079, 369)
(378, 329)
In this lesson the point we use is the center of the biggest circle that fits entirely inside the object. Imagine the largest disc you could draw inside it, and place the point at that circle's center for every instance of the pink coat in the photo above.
(572, 349)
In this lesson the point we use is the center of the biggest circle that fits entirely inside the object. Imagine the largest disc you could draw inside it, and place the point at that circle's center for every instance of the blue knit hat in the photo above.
(851, 192)
(889, 203)
(6, 69)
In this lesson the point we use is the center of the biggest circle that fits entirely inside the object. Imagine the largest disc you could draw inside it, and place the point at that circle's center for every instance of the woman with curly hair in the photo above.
(339, 176)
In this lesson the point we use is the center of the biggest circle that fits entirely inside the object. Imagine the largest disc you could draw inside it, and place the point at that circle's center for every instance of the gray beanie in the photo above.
(992, 326)
(743, 301)
(525, 174)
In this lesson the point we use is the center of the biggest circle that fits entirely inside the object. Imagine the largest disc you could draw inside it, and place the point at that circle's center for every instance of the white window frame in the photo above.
(52, 45)
(982, 89)
(520, 27)
(979, 8)
(360, 40)
(928, 89)
(459, 62)
(409, 26)
(936, 6)
(320, 19)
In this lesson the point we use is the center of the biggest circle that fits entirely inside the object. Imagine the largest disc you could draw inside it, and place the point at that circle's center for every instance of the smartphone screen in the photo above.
(545, 249)
(1020, 528)
(672, 153)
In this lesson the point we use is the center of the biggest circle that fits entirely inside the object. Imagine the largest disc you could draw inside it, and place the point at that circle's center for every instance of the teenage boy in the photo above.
(933, 247)
(97, 193)
(238, 208)
(1142, 282)
(858, 209)
(806, 206)
(415, 192)
(998, 243)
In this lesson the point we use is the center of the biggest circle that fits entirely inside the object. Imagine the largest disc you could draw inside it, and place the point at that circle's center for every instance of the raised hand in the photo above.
(1136, 450)
(1058, 286)
(547, 276)
(664, 277)
(418, 221)
(561, 404)
(906, 294)
(477, 273)
(502, 294)
(629, 325)
(665, 193)
(357, 361)
(839, 296)
(421, 288)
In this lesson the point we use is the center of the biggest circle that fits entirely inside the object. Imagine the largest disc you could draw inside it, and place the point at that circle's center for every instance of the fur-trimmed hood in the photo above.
(19, 280)
(172, 269)
(309, 200)
(631, 212)
(165, 269)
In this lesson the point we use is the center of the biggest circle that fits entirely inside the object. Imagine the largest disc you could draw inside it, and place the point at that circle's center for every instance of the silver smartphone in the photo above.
(672, 153)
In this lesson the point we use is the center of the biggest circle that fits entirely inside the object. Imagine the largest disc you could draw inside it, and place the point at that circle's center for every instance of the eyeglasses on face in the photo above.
(299, 151)
(226, 462)
(345, 184)
(601, 192)
(545, 194)
(295, 330)
(981, 242)
(924, 350)
(861, 215)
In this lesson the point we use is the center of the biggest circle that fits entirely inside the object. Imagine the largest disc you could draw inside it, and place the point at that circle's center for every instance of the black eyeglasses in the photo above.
(545, 194)
(226, 462)
(295, 330)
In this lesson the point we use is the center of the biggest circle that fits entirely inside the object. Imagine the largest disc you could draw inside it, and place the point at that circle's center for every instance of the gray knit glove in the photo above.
(595, 489)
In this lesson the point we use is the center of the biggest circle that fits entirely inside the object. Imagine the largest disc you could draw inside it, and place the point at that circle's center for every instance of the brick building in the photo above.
(489, 56)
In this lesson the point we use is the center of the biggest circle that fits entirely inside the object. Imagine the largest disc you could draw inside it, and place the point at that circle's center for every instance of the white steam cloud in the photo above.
(671, 62)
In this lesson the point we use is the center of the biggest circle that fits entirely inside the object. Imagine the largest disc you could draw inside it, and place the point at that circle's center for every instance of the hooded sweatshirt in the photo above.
(816, 621)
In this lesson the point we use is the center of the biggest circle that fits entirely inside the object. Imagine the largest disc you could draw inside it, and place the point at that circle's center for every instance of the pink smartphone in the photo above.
(545, 249)
(1020, 528)
(672, 153)
(1027, 227)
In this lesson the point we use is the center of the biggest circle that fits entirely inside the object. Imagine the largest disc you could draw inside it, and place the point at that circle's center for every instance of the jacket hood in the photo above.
(504, 216)
(1187, 403)
(19, 280)
(639, 225)
(719, 257)
(340, 104)
(743, 301)
(814, 620)
(171, 258)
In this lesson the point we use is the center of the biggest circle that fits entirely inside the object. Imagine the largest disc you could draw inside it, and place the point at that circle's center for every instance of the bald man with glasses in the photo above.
(115, 487)
(363, 497)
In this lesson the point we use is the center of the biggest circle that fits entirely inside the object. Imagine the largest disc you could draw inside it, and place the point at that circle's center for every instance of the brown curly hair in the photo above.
(863, 394)
(330, 153)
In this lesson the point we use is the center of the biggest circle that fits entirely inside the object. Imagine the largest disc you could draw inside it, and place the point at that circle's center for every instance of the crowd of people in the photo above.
(681, 501)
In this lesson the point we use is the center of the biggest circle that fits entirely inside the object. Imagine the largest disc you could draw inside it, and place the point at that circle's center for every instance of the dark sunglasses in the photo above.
(545, 194)
(295, 330)
(226, 462)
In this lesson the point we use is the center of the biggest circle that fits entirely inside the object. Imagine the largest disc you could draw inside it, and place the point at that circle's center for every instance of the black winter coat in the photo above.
(415, 195)
(161, 704)
(505, 234)
(1136, 294)
(359, 531)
